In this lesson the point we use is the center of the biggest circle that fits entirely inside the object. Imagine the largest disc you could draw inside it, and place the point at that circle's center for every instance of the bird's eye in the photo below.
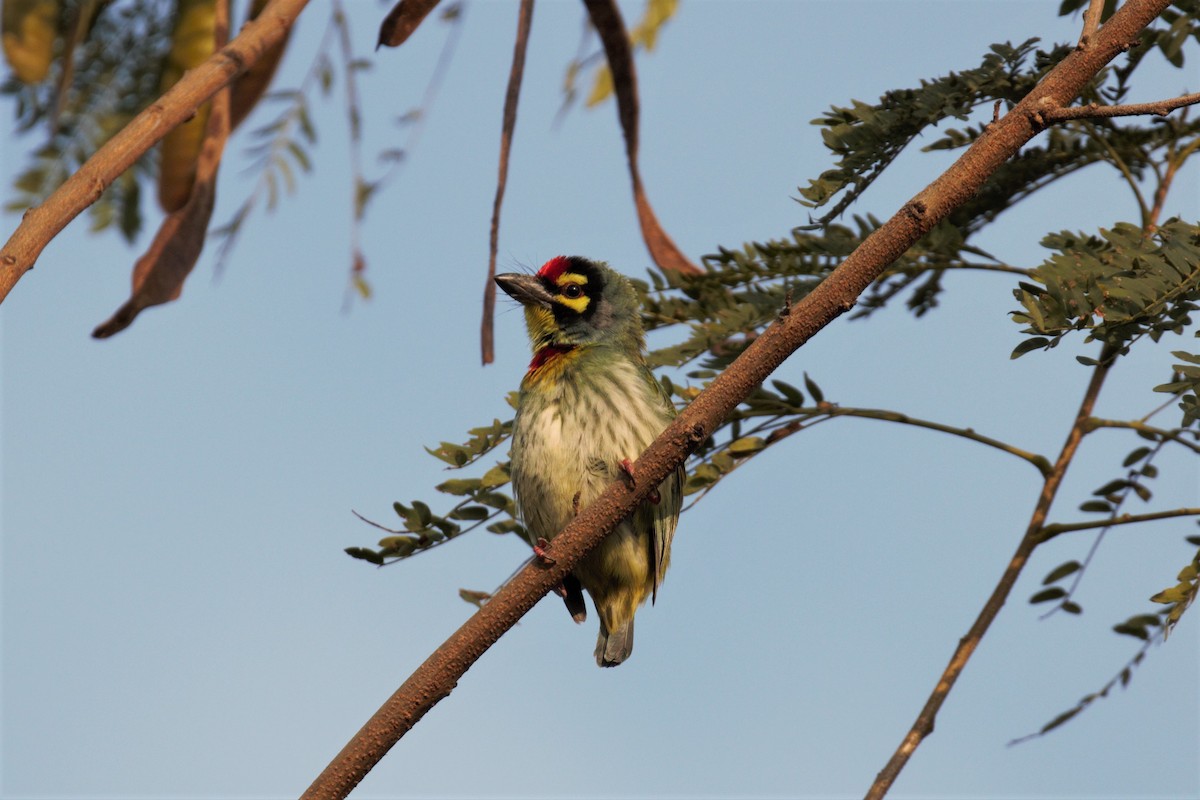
(572, 291)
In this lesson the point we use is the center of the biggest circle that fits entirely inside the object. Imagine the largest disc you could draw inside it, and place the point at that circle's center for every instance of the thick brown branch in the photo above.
(1050, 531)
(1093, 111)
(41, 224)
(440, 673)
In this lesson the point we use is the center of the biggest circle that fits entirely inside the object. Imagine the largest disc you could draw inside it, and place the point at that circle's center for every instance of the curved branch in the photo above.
(1050, 531)
(1037, 460)
(1141, 427)
(41, 224)
(923, 726)
(439, 674)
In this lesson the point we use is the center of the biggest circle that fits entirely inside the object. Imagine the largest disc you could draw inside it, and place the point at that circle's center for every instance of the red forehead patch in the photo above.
(555, 267)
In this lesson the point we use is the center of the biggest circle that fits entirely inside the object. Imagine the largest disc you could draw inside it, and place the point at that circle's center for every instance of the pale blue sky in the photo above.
(179, 619)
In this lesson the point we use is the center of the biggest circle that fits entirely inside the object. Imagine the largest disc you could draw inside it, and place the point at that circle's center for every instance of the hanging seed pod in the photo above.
(250, 86)
(192, 41)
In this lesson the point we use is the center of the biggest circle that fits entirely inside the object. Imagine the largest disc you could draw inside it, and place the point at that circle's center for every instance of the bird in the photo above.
(588, 406)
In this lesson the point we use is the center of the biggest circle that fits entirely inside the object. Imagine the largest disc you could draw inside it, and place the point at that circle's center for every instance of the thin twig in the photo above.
(1161, 108)
(358, 183)
(1050, 531)
(1123, 677)
(1132, 480)
(1126, 173)
(1176, 435)
(810, 415)
(511, 98)
(923, 726)
(1175, 160)
(1091, 22)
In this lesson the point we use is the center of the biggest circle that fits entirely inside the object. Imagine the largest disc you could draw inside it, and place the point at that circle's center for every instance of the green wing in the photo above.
(661, 518)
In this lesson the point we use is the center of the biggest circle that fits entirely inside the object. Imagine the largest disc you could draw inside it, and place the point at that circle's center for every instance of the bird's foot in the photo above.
(539, 549)
(627, 470)
(575, 502)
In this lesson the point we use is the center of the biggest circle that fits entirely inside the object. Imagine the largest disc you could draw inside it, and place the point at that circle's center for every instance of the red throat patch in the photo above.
(554, 268)
(547, 354)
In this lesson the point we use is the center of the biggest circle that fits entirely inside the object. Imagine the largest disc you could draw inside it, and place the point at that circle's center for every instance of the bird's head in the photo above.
(572, 302)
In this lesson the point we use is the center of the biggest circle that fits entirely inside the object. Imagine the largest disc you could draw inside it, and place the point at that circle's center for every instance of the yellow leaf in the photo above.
(30, 27)
(602, 88)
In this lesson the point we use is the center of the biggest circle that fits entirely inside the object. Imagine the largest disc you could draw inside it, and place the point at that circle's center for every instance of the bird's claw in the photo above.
(627, 470)
(539, 549)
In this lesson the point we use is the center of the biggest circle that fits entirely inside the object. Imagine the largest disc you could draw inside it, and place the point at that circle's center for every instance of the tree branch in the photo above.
(830, 410)
(923, 726)
(439, 674)
(41, 224)
(1093, 111)
(1050, 531)
(1091, 22)
(1137, 425)
(512, 96)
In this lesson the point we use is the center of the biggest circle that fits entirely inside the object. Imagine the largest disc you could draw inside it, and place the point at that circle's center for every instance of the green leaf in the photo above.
(789, 393)
(470, 513)
(817, 395)
(1046, 595)
(747, 445)
(1112, 486)
(1060, 719)
(1032, 343)
(1116, 285)
(496, 476)
(506, 526)
(365, 554)
(459, 486)
(424, 515)
(1061, 571)
(1135, 456)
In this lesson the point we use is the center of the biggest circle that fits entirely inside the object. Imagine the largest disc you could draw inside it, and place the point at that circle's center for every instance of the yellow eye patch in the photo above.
(572, 279)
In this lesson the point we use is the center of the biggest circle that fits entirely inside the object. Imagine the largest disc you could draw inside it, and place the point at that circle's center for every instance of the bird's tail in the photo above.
(613, 647)
(573, 597)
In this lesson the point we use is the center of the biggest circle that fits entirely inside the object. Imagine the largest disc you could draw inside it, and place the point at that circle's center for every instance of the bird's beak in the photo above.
(525, 289)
